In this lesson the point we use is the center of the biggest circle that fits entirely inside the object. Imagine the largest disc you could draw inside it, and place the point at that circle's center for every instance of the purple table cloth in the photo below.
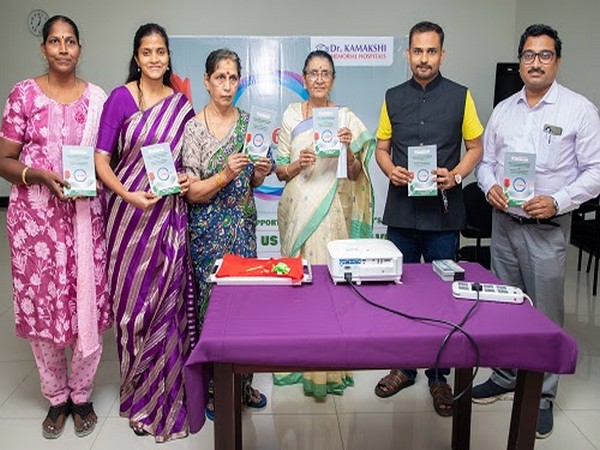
(282, 326)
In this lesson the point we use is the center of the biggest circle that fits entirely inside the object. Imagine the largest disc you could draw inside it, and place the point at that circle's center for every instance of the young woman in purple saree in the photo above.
(150, 277)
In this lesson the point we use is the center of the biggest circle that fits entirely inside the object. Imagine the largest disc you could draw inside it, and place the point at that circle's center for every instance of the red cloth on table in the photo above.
(238, 266)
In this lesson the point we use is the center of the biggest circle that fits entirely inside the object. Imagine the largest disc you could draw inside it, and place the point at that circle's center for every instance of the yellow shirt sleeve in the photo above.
(384, 130)
(471, 127)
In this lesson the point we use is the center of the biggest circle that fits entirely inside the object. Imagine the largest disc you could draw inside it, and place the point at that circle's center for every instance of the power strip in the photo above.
(489, 292)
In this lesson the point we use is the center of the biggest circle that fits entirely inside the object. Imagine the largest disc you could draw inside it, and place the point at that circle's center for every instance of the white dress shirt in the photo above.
(567, 165)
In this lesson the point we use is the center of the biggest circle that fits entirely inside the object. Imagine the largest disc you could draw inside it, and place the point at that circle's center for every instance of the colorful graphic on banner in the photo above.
(272, 79)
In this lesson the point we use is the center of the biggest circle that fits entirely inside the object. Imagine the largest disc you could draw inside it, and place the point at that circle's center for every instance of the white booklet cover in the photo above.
(422, 160)
(160, 168)
(519, 177)
(326, 126)
(260, 132)
(79, 170)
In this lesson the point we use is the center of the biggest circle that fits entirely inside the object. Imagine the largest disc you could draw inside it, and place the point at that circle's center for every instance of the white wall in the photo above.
(577, 24)
(478, 34)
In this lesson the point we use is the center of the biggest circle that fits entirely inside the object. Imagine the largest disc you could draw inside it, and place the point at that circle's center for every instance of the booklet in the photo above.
(519, 177)
(79, 170)
(260, 132)
(160, 168)
(422, 160)
(326, 126)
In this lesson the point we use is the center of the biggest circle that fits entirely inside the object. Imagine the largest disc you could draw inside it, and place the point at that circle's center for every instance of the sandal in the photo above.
(138, 428)
(54, 423)
(392, 383)
(443, 401)
(254, 403)
(84, 418)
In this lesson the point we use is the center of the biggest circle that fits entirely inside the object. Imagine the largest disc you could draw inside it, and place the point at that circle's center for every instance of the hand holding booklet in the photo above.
(158, 161)
(422, 160)
(519, 177)
(260, 132)
(326, 126)
(79, 171)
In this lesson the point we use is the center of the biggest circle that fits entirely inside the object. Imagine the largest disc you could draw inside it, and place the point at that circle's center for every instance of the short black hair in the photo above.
(424, 27)
(541, 30)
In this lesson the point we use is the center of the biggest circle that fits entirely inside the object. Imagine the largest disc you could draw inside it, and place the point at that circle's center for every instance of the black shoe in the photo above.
(489, 392)
(545, 423)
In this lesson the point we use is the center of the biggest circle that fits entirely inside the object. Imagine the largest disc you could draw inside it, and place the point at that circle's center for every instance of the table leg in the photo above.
(461, 421)
(526, 407)
(237, 409)
(225, 423)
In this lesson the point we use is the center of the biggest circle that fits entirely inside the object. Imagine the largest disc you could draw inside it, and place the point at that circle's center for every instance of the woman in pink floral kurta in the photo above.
(58, 252)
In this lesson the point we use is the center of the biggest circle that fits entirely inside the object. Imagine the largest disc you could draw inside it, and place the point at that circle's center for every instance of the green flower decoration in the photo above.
(281, 268)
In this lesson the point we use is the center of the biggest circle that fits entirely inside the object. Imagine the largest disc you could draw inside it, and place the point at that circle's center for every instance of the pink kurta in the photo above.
(41, 228)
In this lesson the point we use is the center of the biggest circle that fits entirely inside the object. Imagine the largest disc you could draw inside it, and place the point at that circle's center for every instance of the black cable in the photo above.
(477, 288)
(455, 327)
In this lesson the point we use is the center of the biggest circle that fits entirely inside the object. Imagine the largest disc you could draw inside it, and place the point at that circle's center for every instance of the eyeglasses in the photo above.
(325, 75)
(545, 56)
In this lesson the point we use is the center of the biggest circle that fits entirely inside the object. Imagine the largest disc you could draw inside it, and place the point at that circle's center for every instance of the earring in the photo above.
(139, 70)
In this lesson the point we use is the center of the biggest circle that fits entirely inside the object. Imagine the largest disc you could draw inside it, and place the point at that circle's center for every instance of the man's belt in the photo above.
(531, 221)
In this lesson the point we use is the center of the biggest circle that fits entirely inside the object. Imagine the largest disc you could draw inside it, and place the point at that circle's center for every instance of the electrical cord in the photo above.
(455, 327)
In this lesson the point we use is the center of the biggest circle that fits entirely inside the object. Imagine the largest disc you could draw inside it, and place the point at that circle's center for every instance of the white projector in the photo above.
(364, 260)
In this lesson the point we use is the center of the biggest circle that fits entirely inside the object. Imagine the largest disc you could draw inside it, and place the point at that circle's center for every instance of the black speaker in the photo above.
(508, 81)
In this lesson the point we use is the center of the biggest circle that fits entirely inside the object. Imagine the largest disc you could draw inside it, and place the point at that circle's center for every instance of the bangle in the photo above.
(219, 180)
(23, 175)
(287, 173)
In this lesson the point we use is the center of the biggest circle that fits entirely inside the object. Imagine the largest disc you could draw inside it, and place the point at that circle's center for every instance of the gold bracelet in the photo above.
(23, 175)
(220, 182)
(287, 173)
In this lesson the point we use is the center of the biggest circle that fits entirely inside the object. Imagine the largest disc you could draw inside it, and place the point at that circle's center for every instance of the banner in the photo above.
(272, 78)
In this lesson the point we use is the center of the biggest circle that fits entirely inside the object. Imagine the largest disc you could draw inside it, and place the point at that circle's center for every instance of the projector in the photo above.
(364, 260)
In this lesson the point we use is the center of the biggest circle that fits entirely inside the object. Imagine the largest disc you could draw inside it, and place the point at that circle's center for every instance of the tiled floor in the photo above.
(355, 421)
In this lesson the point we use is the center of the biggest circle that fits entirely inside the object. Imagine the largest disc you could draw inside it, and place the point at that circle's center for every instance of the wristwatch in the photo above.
(457, 177)
(555, 203)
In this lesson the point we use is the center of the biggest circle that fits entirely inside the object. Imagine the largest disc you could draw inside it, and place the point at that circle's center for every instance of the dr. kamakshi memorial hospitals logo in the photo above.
(356, 51)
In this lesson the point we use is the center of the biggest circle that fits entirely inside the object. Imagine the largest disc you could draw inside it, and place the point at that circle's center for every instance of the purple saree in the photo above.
(149, 271)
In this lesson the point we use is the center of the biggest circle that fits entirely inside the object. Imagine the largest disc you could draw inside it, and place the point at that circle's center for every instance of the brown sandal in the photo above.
(54, 423)
(84, 418)
(443, 401)
(392, 383)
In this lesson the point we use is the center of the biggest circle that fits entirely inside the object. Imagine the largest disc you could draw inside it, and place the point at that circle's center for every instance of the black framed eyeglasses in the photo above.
(528, 56)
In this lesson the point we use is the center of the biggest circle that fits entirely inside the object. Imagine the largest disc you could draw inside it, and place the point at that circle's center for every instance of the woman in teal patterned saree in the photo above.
(222, 215)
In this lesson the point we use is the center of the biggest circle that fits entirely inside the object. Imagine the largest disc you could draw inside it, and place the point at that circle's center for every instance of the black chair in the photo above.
(479, 226)
(585, 235)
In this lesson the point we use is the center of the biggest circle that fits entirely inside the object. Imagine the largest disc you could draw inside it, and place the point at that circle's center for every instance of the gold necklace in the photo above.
(206, 120)
(141, 102)
(227, 119)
